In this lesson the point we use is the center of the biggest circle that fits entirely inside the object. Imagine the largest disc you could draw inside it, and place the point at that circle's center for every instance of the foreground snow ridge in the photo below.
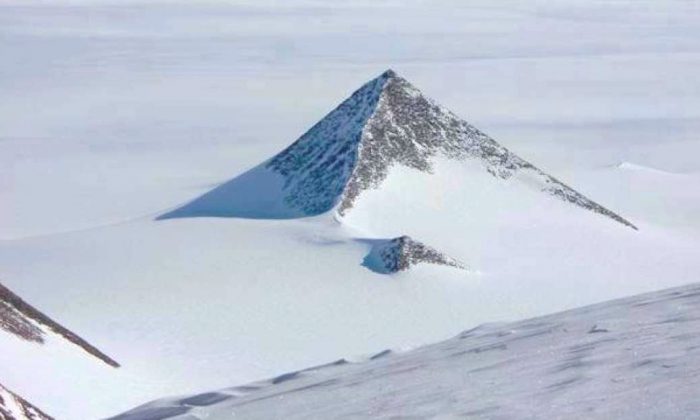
(386, 122)
(636, 357)
(400, 254)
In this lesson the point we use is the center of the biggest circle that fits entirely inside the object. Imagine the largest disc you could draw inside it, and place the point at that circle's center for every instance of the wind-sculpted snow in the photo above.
(633, 358)
(14, 407)
(387, 122)
(400, 254)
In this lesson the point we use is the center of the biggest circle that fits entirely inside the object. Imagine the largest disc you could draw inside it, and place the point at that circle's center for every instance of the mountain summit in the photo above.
(384, 124)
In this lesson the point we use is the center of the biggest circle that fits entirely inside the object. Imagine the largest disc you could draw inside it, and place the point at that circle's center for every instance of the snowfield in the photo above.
(152, 198)
(632, 358)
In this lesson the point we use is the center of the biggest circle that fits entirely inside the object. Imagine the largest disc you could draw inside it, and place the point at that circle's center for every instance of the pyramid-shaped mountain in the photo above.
(385, 123)
(25, 322)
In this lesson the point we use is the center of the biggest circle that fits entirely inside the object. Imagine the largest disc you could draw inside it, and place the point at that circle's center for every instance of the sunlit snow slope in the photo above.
(633, 358)
(13, 407)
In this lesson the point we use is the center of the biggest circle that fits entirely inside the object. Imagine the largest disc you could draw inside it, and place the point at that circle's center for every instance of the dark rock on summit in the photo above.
(387, 122)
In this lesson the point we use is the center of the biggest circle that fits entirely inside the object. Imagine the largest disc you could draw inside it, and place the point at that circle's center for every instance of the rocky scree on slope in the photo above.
(400, 254)
(389, 122)
(632, 358)
(14, 407)
(19, 318)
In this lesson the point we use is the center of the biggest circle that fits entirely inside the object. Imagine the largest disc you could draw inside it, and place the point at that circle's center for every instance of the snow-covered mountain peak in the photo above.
(20, 319)
(14, 407)
(386, 123)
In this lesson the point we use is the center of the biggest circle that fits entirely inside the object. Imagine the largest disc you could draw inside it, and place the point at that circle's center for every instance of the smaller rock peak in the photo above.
(401, 253)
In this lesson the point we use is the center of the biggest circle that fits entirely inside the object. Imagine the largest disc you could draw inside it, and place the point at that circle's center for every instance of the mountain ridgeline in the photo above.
(385, 123)
(389, 122)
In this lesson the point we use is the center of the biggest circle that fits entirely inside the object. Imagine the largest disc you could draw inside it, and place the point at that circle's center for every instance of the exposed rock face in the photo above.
(19, 318)
(317, 167)
(630, 358)
(14, 407)
(399, 254)
(389, 122)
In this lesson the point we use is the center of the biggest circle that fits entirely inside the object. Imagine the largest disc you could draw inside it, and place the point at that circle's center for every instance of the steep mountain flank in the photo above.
(385, 123)
(19, 318)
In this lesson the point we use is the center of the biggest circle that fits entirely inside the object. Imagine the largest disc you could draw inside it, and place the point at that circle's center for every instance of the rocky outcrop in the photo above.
(14, 407)
(19, 318)
(385, 123)
(400, 254)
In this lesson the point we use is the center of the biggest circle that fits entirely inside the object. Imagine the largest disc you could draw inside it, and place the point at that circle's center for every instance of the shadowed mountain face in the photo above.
(386, 123)
(630, 358)
(306, 179)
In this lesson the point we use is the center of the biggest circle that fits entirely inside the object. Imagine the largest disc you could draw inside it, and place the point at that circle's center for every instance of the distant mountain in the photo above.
(387, 123)
(630, 358)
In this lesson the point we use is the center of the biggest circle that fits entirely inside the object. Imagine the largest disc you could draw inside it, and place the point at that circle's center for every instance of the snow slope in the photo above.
(636, 358)
(386, 123)
(34, 344)
(210, 299)
(13, 407)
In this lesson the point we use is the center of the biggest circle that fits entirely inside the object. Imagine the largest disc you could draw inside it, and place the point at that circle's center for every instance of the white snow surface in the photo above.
(634, 358)
(114, 113)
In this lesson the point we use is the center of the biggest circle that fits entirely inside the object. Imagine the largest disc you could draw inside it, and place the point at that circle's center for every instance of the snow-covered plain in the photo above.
(113, 114)
(632, 358)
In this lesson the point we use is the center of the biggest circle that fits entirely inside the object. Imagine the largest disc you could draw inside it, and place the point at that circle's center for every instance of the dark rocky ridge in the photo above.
(19, 318)
(318, 165)
(14, 407)
(389, 122)
(400, 254)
